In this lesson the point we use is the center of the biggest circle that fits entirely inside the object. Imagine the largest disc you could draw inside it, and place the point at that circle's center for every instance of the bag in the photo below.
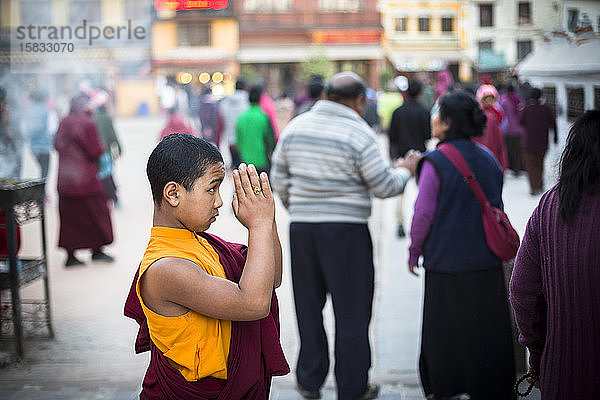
(500, 236)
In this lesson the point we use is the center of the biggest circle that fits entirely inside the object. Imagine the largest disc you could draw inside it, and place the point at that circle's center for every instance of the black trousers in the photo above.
(334, 258)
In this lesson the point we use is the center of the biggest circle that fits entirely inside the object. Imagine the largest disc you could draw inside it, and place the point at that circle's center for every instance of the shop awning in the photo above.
(288, 54)
(407, 60)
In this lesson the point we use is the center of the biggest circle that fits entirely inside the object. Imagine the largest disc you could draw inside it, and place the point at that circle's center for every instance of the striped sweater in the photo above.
(327, 166)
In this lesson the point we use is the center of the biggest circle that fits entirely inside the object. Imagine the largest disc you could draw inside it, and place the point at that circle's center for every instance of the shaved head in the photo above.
(345, 86)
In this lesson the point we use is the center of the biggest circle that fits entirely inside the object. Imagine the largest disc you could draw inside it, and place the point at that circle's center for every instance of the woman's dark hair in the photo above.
(466, 117)
(579, 164)
(180, 158)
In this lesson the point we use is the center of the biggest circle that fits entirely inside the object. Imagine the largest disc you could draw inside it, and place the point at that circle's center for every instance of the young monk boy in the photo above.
(207, 308)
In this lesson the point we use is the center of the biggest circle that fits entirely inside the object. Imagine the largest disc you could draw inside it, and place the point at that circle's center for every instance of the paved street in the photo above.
(92, 355)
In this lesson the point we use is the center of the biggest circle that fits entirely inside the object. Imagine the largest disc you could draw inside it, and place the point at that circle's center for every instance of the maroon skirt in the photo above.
(84, 222)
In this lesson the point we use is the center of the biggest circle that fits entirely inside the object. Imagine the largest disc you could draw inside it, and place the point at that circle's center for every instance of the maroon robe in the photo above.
(255, 353)
(84, 214)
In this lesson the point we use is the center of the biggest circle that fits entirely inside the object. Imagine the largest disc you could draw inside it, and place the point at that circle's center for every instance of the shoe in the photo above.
(73, 261)
(99, 255)
(371, 393)
(401, 232)
(308, 394)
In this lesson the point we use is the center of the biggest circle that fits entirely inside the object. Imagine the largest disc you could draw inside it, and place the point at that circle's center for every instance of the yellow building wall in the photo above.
(130, 94)
(164, 37)
(224, 34)
(5, 10)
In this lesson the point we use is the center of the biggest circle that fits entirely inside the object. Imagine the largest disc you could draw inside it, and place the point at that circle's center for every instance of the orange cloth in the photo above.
(197, 344)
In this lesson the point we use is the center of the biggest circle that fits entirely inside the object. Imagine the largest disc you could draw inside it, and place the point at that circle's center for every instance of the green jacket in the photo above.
(254, 137)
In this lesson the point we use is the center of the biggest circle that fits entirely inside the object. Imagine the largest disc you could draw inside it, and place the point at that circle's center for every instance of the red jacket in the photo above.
(79, 148)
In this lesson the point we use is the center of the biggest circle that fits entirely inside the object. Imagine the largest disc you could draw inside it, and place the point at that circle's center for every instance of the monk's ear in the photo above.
(171, 193)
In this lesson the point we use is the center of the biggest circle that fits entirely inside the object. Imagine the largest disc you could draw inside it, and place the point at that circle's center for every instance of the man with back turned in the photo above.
(326, 168)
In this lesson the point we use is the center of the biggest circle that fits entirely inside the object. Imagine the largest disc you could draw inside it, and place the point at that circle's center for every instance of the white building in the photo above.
(503, 32)
(574, 13)
(566, 67)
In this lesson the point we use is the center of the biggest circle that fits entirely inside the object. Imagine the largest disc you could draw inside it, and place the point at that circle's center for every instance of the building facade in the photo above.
(55, 44)
(195, 43)
(503, 32)
(278, 36)
(425, 36)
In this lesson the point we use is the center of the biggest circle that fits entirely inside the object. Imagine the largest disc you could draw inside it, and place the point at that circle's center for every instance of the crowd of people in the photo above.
(207, 308)
(87, 145)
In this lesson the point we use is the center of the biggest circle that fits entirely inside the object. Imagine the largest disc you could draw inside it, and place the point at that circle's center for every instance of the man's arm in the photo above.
(278, 257)
(280, 177)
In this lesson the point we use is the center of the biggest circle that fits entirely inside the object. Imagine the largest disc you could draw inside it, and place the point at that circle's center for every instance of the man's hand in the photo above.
(410, 161)
(413, 269)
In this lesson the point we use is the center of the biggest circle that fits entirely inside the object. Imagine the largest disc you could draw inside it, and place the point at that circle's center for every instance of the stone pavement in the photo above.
(91, 356)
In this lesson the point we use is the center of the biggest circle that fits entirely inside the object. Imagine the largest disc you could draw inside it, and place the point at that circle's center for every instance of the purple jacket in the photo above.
(537, 119)
(512, 104)
(555, 297)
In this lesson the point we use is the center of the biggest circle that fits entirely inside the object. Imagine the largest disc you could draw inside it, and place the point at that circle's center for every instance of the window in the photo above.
(485, 45)
(84, 10)
(486, 15)
(572, 19)
(447, 24)
(523, 48)
(401, 24)
(340, 5)
(575, 102)
(268, 5)
(524, 13)
(549, 95)
(35, 13)
(136, 10)
(196, 34)
(424, 24)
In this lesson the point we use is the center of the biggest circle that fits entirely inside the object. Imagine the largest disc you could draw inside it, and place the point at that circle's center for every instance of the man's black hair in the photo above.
(180, 158)
(240, 84)
(315, 86)
(254, 94)
(414, 89)
(535, 94)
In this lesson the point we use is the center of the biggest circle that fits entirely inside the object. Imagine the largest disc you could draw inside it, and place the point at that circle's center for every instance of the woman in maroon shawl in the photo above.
(84, 215)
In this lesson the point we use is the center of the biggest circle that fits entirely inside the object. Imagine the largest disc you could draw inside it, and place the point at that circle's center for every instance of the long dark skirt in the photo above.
(84, 222)
(466, 343)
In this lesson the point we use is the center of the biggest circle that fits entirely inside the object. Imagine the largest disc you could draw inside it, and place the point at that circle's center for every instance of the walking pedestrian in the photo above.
(410, 129)
(230, 109)
(207, 308)
(316, 92)
(466, 341)
(554, 284)
(326, 167)
(513, 105)
(537, 119)
(112, 146)
(84, 215)
(8, 155)
(176, 123)
(210, 128)
(254, 135)
(487, 95)
(38, 130)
